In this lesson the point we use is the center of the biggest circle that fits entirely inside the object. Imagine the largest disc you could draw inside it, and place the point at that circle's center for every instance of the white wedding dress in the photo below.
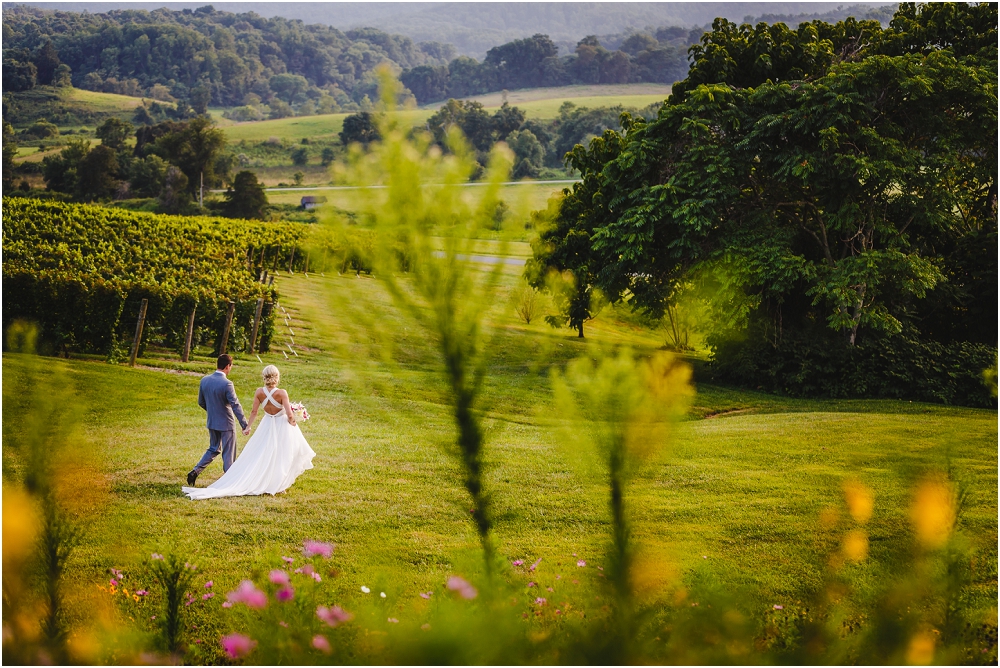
(272, 459)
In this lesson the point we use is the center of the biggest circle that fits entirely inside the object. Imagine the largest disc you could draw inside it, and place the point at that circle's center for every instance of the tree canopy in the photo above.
(834, 178)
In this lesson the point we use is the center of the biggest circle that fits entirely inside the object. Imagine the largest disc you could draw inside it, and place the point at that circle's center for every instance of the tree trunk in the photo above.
(579, 330)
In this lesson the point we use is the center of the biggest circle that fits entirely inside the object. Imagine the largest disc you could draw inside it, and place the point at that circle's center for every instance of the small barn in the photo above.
(312, 201)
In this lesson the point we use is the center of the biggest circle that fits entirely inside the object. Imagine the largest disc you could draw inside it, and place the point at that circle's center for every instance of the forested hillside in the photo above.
(820, 203)
(204, 57)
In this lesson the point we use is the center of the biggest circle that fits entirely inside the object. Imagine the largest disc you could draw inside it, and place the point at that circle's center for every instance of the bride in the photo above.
(273, 457)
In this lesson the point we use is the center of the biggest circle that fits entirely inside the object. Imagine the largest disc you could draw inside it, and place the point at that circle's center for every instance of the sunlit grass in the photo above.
(738, 497)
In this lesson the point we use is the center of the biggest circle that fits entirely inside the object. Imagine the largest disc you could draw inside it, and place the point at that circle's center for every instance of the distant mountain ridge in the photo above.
(474, 28)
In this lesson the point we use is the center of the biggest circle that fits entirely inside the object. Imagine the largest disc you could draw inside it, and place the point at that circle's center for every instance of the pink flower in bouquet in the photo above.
(248, 593)
(333, 616)
(279, 577)
(314, 547)
(237, 645)
(464, 589)
(322, 644)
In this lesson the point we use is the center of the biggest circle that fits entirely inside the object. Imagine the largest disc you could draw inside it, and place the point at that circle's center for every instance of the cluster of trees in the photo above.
(537, 144)
(829, 191)
(534, 62)
(205, 56)
(172, 161)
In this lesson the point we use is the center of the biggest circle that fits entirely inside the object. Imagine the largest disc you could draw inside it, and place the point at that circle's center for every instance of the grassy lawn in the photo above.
(584, 95)
(736, 496)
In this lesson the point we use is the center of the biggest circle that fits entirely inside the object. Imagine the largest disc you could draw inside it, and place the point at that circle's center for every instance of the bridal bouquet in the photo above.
(298, 407)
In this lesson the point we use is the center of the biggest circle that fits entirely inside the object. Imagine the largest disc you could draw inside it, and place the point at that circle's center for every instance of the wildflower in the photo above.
(157, 557)
(600, 568)
(142, 592)
(704, 556)
(464, 589)
(307, 570)
(316, 577)
(779, 607)
(287, 560)
(197, 641)
(237, 645)
(382, 594)
(558, 611)
(333, 616)
(533, 566)
(576, 582)
(279, 577)
(135, 598)
(532, 584)
(114, 583)
(283, 624)
(365, 589)
(248, 593)
(322, 644)
(518, 562)
(558, 577)
(190, 567)
(425, 627)
(541, 601)
(574, 554)
(549, 589)
(153, 617)
(117, 573)
(393, 620)
(227, 604)
(207, 596)
(208, 585)
(425, 594)
(313, 547)
(581, 563)
(285, 594)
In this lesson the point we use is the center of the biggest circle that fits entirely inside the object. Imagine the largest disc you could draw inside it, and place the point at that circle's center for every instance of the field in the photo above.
(536, 103)
(739, 498)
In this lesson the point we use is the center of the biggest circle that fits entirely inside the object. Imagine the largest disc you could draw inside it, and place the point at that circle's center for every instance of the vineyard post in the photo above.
(263, 277)
(291, 259)
(138, 332)
(190, 334)
(225, 331)
(274, 265)
(256, 324)
(270, 281)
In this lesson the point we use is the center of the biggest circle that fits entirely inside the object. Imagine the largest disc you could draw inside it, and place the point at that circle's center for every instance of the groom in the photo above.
(218, 397)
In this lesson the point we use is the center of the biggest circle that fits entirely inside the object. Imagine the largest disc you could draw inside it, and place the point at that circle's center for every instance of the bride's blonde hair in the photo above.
(271, 375)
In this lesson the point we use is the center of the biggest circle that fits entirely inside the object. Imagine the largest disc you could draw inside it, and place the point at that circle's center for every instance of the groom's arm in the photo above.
(201, 396)
(234, 401)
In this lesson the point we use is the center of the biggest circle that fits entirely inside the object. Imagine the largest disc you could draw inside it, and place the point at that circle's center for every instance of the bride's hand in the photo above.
(291, 420)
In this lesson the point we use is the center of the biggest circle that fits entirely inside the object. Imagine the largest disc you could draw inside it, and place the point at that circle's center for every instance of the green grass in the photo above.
(737, 496)
(536, 103)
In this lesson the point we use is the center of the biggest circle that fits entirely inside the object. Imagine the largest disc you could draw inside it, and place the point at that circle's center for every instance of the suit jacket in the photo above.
(217, 396)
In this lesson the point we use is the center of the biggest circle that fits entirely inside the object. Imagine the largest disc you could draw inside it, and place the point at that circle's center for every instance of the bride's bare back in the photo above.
(280, 396)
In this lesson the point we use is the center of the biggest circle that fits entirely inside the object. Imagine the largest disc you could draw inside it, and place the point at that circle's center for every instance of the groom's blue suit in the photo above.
(218, 397)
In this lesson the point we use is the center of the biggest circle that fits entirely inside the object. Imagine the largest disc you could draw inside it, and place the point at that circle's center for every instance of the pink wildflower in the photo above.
(283, 624)
(114, 583)
(287, 560)
(279, 577)
(581, 563)
(314, 547)
(533, 566)
(157, 557)
(322, 644)
(237, 645)
(316, 577)
(464, 589)
(518, 562)
(207, 596)
(532, 584)
(779, 607)
(558, 612)
(541, 601)
(248, 593)
(393, 620)
(285, 594)
(549, 589)
(558, 577)
(208, 585)
(333, 616)
(227, 604)
(142, 592)
(425, 594)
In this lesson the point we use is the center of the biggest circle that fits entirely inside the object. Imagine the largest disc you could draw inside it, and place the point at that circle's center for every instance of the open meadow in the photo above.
(746, 504)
